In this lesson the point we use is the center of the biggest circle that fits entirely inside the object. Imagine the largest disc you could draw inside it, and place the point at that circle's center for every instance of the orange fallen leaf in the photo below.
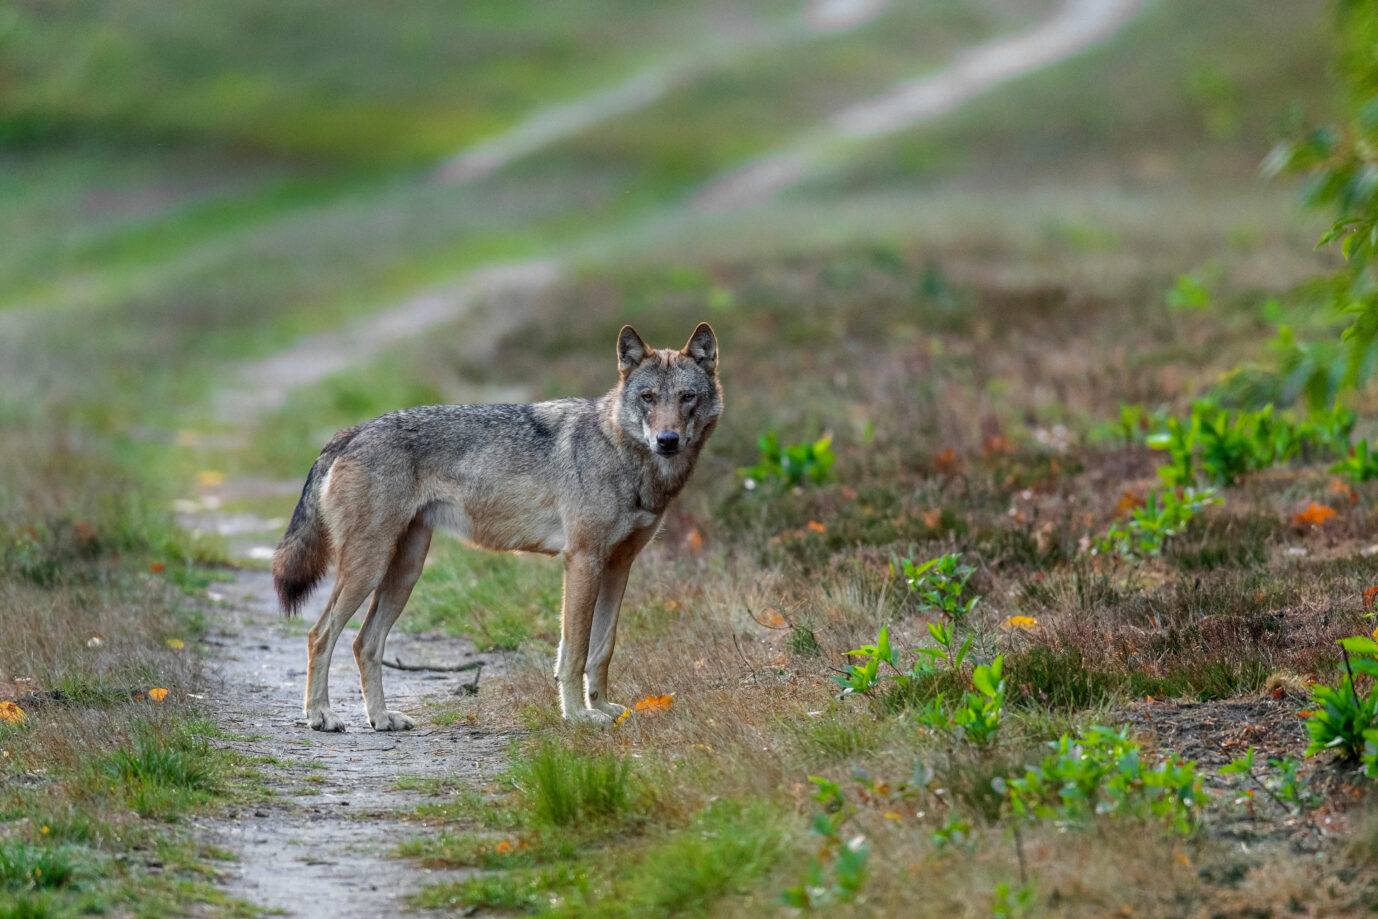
(1315, 515)
(1371, 596)
(773, 619)
(12, 714)
(504, 847)
(655, 703)
(817, 527)
(1128, 503)
(932, 519)
(946, 461)
(157, 695)
(996, 443)
(156, 567)
(1027, 623)
(693, 542)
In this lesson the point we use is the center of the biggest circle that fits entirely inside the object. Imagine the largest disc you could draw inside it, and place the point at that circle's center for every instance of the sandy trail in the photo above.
(646, 86)
(1078, 25)
(320, 846)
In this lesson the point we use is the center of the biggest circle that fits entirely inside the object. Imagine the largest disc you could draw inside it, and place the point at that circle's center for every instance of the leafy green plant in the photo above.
(1100, 773)
(1233, 444)
(1359, 465)
(979, 713)
(865, 676)
(793, 464)
(1007, 903)
(1189, 292)
(944, 654)
(1287, 790)
(1179, 440)
(1344, 719)
(1223, 445)
(941, 584)
(1163, 515)
(1340, 164)
(845, 860)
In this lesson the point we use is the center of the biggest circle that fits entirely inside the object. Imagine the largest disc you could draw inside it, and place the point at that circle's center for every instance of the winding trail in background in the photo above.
(263, 385)
(1078, 25)
(550, 125)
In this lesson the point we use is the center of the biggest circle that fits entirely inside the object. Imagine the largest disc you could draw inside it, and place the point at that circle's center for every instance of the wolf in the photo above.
(585, 479)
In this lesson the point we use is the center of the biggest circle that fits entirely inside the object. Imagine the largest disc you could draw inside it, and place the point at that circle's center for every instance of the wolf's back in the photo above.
(304, 553)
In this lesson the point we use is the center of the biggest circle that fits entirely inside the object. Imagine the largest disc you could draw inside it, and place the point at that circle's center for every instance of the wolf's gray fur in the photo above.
(586, 479)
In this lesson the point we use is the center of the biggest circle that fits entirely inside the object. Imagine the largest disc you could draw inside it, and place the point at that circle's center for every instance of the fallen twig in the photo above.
(396, 664)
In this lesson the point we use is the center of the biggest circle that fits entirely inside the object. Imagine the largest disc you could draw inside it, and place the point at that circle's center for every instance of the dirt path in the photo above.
(1078, 25)
(320, 845)
(735, 37)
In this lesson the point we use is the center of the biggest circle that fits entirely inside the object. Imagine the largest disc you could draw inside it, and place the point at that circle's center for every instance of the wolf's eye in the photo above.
(648, 397)
(687, 397)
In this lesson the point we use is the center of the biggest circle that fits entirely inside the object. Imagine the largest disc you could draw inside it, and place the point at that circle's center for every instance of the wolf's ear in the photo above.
(631, 350)
(703, 347)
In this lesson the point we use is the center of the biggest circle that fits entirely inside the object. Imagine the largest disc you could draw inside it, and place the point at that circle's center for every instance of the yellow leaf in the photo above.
(655, 703)
(176, 644)
(12, 714)
(157, 695)
(626, 713)
(891, 815)
(1027, 623)
(208, 478)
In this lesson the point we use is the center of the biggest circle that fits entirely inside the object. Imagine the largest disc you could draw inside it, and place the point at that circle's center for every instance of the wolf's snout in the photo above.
(667, 443)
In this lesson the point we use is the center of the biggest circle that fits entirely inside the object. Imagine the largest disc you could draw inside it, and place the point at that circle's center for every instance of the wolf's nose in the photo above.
(667, 441)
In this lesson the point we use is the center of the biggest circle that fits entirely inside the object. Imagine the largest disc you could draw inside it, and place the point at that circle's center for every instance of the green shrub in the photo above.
(791, 465)
(1344, 719)
(1164, 515)
(1100, 774)
(941, 584)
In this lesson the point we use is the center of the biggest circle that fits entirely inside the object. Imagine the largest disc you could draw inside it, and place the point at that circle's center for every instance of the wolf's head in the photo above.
(669, 400)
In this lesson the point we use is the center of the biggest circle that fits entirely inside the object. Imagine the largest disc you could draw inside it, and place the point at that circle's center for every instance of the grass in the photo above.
(563, 788)
(958, 314)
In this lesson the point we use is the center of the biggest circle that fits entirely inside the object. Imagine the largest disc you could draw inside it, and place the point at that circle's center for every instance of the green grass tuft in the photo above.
(560, 787)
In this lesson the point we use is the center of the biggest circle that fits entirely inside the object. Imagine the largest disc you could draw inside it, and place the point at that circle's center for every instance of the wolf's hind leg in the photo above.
(388, 601)
(602, 638)
(356, 581)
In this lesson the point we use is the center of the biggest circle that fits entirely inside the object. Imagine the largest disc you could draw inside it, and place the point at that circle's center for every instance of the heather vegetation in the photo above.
(1032, 567)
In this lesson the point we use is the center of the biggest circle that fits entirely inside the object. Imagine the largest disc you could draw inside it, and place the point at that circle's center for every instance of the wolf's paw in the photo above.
(611, 709)
(589, 715)
(325, 720)
(392, 721)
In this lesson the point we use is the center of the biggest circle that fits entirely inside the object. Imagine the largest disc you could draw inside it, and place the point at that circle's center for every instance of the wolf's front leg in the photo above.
(583, 576)
(603, 636)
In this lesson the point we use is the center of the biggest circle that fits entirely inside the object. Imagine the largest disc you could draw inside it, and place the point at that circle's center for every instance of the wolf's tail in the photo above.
(304, 553)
